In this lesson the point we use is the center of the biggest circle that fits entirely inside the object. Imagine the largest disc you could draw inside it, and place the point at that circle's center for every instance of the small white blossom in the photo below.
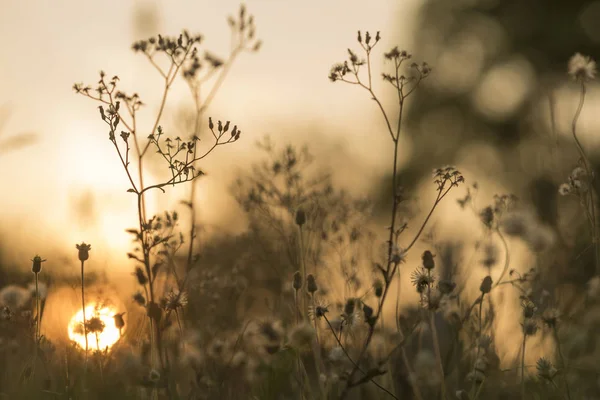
(564, 189)
(582, 67)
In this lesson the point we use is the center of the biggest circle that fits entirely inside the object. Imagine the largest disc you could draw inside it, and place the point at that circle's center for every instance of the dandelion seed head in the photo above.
(564, 189)
(582, 68)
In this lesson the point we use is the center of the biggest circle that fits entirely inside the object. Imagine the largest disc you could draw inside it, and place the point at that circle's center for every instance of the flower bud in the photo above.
(119, 321)
(83, 251)
(311, 284)
(486, 285)
(300, 217)
(378, 286)
(349, 307)
(428, 262)
(37, 264)
(141, 276)
(297, 281)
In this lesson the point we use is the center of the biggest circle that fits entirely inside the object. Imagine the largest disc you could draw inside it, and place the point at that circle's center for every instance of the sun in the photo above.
(102, 340)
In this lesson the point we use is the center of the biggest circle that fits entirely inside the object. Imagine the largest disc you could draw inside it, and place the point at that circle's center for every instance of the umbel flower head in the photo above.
(37, 264)
(84, 251)
(582, 68)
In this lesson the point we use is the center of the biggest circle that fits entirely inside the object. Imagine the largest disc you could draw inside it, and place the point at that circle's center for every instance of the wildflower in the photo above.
(564, 189)
(297, 280)
(119, 321)
(83, 251)
(428, 262)
(300, 217)
(368, 313)
(487, 216)
(95, 325)
(378, 286)
(528, 309)
(14, 297)
(582, 68)
(529, 327)
(550, 317)
(545, 369)
(578, 173)
(311, 284)
(37, 264)
(141, 276)
(421, 279)
(139, 298)
(175, 300)
(398, 255)
(486, 285)
(320, 310)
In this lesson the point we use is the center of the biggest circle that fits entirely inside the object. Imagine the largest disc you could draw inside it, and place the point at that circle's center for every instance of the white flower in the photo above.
(564, 189)
(578, 173)
(582, 67)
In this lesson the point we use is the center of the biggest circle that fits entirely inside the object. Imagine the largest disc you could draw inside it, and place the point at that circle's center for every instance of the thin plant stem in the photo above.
(590, 175)
(337, 339)
(562, 361)
(37, 310)
(436, 343)
(523, 367)
(83, 310)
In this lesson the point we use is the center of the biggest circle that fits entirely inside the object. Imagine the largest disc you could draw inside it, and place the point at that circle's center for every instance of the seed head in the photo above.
(175, 300)
(529, 327)
(378, 286)
(486, 285)
(582, 68)
(37, 264)
(428, 262)
(95, 325)
(311, 284)
(141, 276)
(119, 321)
(545, 369)
(84, 250)
(300, 217)
(349, 306)
(297, 281)
(139, 298)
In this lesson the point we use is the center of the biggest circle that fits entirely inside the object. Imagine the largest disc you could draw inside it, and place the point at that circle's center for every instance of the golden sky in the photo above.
(283, 91)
